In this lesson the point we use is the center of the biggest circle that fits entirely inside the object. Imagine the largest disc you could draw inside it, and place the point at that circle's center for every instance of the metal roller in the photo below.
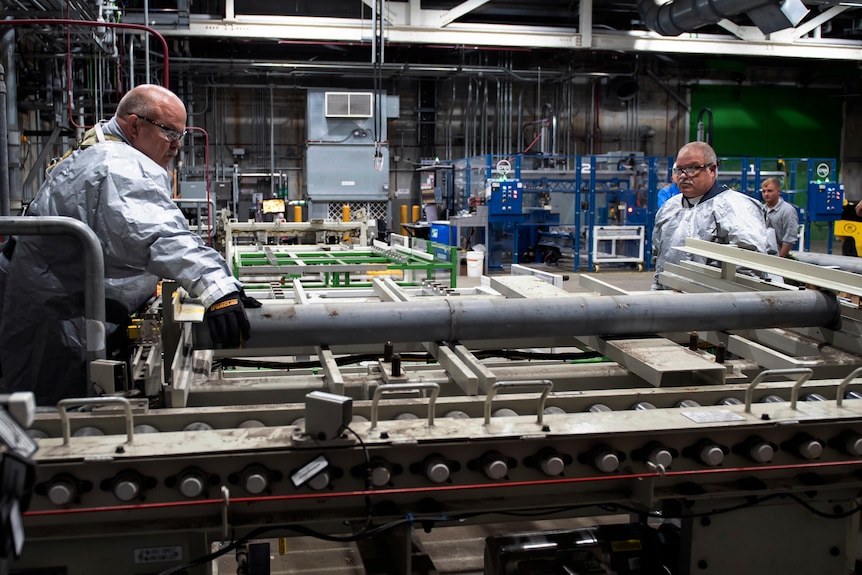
(449, 319)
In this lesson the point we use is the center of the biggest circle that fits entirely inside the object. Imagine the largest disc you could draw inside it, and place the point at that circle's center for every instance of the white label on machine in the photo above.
(348, 183)
(158, 554)
(309, 470)
(712, 416)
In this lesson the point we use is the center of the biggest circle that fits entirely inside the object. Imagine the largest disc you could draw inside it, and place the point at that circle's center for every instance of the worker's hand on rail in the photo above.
(228, 322)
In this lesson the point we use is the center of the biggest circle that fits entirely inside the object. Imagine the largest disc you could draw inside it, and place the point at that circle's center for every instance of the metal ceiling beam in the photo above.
(478, 35)
(807, 48)
(449, 16)
(787, 36)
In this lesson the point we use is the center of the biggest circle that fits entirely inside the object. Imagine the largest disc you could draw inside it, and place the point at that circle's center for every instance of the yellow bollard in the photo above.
(297, 213)
(403, 219)
(345, 217)
(415, 214)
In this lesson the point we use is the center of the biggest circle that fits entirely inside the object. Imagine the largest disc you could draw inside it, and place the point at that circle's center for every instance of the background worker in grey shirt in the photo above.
(781, 217)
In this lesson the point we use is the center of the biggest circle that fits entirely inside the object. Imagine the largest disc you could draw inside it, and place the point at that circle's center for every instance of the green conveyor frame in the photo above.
(340, 268)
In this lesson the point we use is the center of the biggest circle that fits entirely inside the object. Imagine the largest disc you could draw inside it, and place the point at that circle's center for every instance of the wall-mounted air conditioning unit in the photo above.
(349, 104)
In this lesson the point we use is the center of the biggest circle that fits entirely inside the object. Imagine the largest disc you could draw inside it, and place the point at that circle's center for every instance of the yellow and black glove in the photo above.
(228, 322)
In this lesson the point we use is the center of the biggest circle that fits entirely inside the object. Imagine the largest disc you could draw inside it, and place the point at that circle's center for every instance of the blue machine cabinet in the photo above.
(825, 201)
(507, 198)
(505, 213)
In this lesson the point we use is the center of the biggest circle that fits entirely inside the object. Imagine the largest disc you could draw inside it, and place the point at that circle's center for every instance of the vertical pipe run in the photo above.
(147, 44)
(345, 217)
(5, 199)
(271, 144)
(12, 143)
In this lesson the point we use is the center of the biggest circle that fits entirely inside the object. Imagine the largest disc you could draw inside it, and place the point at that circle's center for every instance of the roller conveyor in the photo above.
(621, 402)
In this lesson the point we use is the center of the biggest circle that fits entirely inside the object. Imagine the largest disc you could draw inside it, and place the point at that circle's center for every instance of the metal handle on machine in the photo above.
(546, 384)
(794, 393)
(402, 387)
(805, 374)
(94, 262)
(64, 415)
(844, 383)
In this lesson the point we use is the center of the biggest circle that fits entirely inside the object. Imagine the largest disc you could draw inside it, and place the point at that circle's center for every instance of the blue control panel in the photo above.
(507, 198)
(825, 201)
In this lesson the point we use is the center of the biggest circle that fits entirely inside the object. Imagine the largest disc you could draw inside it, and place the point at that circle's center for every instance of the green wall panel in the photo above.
(766, 122)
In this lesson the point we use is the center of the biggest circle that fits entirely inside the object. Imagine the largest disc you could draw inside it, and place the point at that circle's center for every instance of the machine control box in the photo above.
(825, 201)
(507, 198)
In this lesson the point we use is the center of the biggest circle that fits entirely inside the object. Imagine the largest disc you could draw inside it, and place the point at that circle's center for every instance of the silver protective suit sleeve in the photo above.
(125, 198)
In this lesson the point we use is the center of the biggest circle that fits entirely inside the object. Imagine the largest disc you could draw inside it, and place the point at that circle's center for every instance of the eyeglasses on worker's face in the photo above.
(168, 134)
(690, 171)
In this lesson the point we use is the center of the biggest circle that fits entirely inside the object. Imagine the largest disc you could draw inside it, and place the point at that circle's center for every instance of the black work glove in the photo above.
(228, 321)
(248, 302)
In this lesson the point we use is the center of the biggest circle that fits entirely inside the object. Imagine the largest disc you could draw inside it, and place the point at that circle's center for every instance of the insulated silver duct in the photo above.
(451, 319)
(678, 16)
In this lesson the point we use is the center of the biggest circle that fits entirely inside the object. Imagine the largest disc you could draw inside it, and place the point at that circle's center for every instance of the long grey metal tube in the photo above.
(94, 263)
(846, 263)
(451, 319)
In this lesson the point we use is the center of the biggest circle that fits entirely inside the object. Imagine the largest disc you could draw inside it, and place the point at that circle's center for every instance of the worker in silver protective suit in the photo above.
(704, 210)
(116, 181)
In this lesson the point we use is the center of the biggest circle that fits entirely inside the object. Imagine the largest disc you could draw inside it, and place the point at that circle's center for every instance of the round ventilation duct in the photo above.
(622, 88)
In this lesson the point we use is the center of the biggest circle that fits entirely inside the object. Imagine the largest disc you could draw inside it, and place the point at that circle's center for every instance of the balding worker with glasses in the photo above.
(117, 182)
(704, 210)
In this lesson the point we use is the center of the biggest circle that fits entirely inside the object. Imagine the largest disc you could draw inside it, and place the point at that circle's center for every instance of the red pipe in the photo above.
(94, 24)
(91, 23)
(438, 488)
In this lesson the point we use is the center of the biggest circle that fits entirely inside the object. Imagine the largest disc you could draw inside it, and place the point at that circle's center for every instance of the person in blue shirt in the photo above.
(668, 191)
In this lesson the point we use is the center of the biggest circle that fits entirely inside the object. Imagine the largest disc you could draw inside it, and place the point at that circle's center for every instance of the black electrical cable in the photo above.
(809, 507)
(368, 482)
(429, 521)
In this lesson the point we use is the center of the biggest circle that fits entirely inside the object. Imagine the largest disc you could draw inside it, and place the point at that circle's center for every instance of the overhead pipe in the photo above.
(678, 16)
(661, 84)
(451, 319)
(94, 24)
(393, 69)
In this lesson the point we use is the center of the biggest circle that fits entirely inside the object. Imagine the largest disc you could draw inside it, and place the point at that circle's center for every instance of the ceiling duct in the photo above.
(622, 88)
(678, 16)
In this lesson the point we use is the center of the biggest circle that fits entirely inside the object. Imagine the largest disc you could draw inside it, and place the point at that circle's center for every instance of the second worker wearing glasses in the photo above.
(117, 182)
(705, 210)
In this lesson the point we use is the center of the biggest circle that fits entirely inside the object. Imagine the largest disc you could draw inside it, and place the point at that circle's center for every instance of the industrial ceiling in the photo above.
(264, 40)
